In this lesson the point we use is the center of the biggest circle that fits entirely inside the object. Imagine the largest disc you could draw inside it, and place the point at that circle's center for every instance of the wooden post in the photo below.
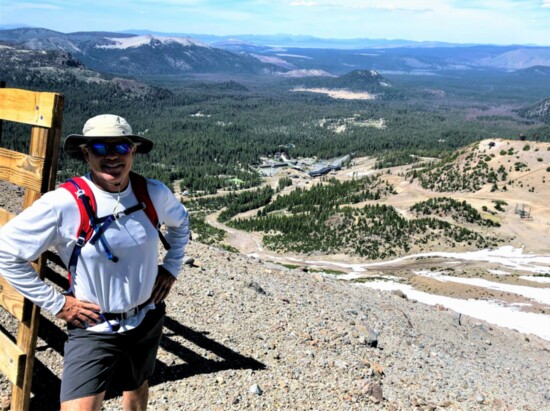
(36, 172)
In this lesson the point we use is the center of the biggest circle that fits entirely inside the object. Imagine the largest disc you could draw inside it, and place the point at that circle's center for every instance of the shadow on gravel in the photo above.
(46, 384)
(194, 363)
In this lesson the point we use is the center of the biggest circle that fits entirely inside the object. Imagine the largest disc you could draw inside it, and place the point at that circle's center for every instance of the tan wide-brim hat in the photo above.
(102, 127)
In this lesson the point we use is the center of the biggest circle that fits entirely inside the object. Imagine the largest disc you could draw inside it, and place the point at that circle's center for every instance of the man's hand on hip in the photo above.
(79, 313)
(163, 284)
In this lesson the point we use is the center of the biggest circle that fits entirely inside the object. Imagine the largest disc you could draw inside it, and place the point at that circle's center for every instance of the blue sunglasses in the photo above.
(102, 149)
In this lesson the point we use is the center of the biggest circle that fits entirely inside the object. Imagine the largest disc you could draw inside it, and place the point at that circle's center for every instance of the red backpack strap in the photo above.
(139, 186)
(73, 188)
(78, 186)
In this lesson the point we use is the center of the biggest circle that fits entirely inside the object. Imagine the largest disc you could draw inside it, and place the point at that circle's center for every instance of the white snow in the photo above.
(200, 114)
(542, 280)
(490, 311)
(294, 55)
(277, 61)
(137, 41)
(305, 73)
(338, 93)
(542, 295)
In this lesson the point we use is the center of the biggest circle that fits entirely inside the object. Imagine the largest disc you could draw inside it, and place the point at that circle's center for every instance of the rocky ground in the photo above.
(245, 334)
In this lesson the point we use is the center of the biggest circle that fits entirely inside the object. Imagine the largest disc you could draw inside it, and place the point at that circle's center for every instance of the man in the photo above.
(115, 307)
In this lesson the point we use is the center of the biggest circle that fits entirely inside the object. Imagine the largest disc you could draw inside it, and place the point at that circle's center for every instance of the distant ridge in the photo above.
(304, 41)
(123, 53)
(147, 53)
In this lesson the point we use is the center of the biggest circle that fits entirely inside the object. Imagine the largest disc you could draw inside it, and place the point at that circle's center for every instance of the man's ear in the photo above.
(85, 153)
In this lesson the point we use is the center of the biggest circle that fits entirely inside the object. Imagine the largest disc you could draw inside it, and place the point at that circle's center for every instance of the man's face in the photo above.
(109, 164)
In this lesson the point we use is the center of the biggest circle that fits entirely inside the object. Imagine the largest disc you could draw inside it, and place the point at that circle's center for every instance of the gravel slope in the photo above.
(243, 334)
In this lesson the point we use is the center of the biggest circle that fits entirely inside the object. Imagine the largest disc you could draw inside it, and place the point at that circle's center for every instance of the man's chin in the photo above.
(112, 178)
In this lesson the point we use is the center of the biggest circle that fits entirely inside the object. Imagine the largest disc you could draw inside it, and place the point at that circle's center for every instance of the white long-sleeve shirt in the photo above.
(54, 220)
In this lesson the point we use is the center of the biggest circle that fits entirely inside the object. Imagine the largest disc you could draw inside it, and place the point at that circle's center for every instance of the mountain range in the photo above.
(172, 53)
(121, 53)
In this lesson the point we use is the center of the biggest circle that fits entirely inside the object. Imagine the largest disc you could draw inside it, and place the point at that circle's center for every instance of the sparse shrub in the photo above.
(518, 166)
(526, 147)
(499, 204)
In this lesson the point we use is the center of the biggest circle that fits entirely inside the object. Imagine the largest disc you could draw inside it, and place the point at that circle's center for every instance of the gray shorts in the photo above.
(123, 361)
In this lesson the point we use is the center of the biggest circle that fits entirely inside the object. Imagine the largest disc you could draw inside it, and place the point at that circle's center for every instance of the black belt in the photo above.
(125, 315)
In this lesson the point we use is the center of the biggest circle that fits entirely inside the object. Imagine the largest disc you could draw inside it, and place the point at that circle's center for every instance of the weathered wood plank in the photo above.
(29, 107)
(5, 216)
(44, 144)
(11, 300)
(27, 335)
(12, 360)
(36, 172)
(21, 169)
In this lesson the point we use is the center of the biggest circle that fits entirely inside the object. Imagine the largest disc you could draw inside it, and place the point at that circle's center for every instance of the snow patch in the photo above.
(200, 114)
(490, 311)
(138, 41)
(541, 295)
(338, 93)
(273, 60)
(306, 73)
(542, 280)
(294, 55)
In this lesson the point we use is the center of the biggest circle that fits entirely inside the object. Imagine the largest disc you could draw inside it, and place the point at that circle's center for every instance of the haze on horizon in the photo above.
(455, 21)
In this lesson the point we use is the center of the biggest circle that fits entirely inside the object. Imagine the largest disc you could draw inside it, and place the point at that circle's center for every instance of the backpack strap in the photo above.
(73, 185)
(89, 223)
(139, 186)
(79, 189)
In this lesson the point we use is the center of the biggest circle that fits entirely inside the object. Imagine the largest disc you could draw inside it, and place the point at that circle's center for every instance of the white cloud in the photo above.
(303, 3)
(172, 2)
(390, 5)
(546, 3)
(36, 6)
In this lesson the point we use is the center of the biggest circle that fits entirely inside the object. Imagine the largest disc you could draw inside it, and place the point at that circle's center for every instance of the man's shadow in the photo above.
(46, 385)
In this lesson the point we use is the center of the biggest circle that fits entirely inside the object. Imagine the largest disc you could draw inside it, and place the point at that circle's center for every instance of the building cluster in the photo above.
(313, 167)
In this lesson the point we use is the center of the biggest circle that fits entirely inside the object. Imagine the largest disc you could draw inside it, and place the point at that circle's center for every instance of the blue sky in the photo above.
(466, 21)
